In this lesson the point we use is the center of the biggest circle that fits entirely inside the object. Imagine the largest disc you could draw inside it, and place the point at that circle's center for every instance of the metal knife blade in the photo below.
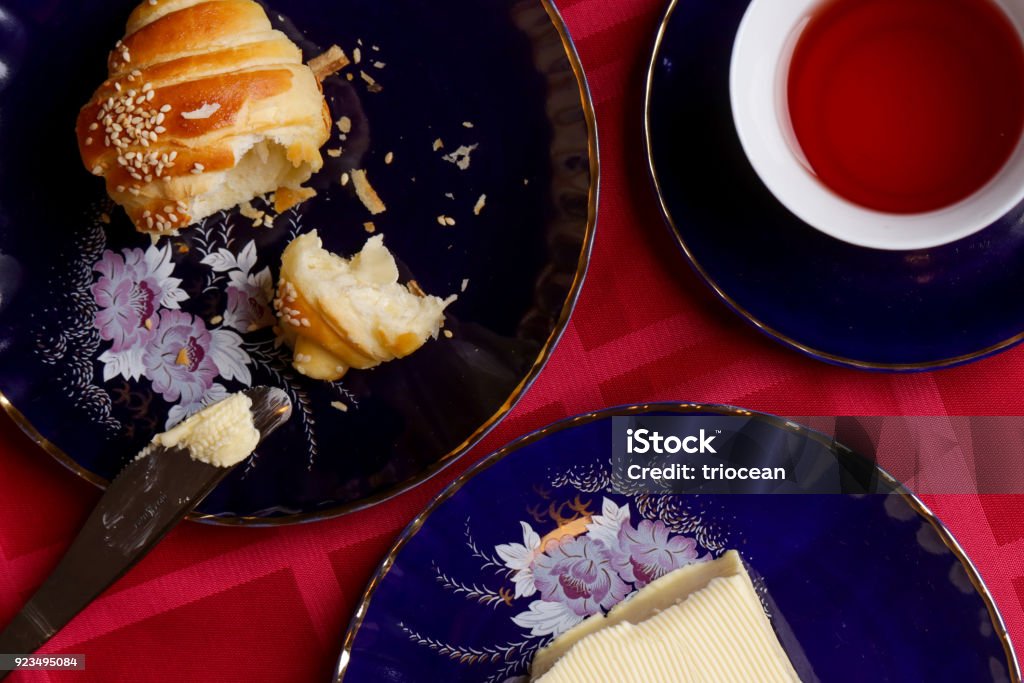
(145, 501)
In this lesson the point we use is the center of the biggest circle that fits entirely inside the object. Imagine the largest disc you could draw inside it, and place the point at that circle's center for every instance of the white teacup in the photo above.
(758, 83)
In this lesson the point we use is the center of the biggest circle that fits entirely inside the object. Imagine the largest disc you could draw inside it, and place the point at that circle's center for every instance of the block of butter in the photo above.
(703, 623)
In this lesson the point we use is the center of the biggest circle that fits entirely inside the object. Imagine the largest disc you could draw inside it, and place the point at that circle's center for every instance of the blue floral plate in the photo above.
(106, 338)
(904, 311)
(540, 534)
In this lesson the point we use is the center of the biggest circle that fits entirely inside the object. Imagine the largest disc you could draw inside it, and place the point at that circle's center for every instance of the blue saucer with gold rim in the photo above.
(844, 304)
(500, 79)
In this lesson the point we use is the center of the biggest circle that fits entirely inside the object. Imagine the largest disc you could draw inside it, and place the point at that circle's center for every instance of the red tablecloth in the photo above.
(271, 605)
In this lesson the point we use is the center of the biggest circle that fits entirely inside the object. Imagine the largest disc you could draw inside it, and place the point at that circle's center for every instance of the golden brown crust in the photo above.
(193, 88)
(198, 28)
(329, 63)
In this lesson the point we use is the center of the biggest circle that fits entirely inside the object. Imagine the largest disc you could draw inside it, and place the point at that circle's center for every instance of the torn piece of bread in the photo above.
(206, 106)
(336, 313)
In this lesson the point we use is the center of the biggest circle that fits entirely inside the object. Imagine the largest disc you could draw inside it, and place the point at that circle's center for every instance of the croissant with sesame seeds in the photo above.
(205, 107)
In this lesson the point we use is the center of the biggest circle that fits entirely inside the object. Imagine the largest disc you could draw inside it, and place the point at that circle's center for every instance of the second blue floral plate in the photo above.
(541, 534)
(106, 339)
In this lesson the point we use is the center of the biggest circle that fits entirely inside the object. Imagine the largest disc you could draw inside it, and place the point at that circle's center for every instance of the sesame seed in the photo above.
(389, 157)
(294, 323)
(94, 126)
(88, 141)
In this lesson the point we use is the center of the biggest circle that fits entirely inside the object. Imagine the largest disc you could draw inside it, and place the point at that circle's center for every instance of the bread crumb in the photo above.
(415, 288)
(448, 334)
(338, 405)
(461, 156)
(350, 77)
(334, 153)
(467, 124)
(329, 63)
(479, 206)
(369, 227)
(371, 85)
(344, 179)
(465, 283)
(367, 195)
(247, 210)
(375, 48)
(449, 195)
(105, 218)
(285, 197)
(345, 124)
(389, 157)
(438, 144)
(379, 65)
(215, 320)
(268, 221)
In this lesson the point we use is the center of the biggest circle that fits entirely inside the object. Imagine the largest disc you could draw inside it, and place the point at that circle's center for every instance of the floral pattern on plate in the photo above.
(138, 312)
(577, 576)
(575, 558)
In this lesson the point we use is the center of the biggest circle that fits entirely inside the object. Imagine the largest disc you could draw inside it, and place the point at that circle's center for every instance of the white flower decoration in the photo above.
(520, 557)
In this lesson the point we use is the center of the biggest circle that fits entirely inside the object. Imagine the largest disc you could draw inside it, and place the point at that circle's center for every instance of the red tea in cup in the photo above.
(907, 106)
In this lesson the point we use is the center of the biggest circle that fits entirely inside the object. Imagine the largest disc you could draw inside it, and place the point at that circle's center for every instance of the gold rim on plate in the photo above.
(544, 354)
(736, 306)
(998, 625)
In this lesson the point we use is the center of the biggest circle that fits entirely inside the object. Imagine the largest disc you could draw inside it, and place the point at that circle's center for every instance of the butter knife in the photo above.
(145, 501)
